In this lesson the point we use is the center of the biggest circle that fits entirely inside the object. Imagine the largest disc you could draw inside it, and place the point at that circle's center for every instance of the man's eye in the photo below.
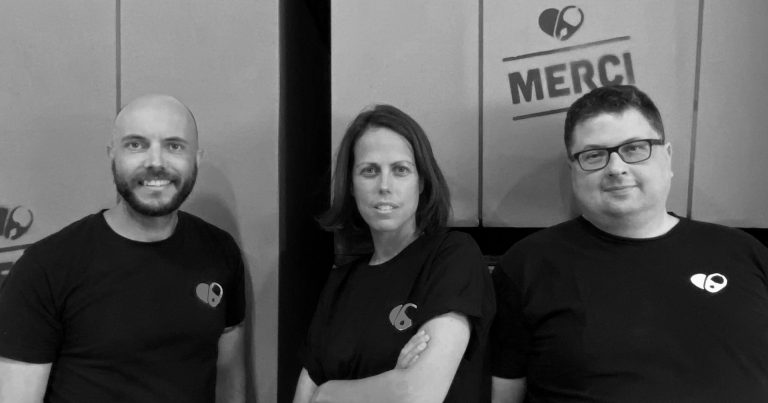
(592, 155)
(133, 145)
(176, 147)
(635, 148)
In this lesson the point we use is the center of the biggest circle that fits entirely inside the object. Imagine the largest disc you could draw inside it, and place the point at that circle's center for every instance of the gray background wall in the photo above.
(729, 183)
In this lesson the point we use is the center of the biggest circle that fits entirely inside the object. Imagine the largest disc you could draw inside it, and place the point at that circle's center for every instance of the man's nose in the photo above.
(616, 165)
(155, 156)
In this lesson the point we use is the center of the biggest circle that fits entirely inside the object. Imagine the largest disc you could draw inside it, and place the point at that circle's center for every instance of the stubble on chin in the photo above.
(126, 192)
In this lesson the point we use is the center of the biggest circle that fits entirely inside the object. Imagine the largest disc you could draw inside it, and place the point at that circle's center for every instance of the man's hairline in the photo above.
(569, 147)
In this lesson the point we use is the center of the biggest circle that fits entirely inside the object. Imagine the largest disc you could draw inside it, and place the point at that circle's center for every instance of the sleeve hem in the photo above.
(313, 374)
(33, 357)
(508, 374)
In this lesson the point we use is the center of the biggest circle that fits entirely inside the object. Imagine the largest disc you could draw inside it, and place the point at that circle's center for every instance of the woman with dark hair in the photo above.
(420, 284)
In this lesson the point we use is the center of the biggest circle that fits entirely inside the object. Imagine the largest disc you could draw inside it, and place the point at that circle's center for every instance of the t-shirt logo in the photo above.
(399, 319)
(712, 283)
(210, 293)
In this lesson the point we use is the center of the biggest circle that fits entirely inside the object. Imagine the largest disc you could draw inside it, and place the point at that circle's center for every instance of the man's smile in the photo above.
(158, 183)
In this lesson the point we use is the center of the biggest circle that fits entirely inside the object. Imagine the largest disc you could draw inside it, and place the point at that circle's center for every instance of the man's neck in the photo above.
(130, 224)
(635, 226)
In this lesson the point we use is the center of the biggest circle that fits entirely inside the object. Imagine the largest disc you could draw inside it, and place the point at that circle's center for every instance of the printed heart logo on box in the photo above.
(713, 283)
(15, 222)
(211, 294)
(561, 24)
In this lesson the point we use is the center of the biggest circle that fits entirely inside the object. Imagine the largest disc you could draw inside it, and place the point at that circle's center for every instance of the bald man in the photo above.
(137, 303)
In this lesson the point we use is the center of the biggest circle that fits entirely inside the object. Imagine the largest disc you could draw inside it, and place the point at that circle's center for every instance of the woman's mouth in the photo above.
(385, 207)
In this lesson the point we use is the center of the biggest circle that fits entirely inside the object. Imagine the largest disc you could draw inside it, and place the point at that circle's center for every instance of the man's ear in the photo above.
(199, 155)
(668, 147)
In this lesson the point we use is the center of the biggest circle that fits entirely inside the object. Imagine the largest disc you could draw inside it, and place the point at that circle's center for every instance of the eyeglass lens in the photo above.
(630, 153)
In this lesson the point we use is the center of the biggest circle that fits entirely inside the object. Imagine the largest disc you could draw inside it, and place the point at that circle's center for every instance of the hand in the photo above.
(410, 352)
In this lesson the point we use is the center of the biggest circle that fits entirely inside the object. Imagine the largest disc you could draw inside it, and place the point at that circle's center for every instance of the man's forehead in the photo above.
(155, 115)
(609, 126)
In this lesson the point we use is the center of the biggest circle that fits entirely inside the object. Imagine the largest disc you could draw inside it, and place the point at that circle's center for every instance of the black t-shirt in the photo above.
(124, 321)
(591, 317)
(366, 313)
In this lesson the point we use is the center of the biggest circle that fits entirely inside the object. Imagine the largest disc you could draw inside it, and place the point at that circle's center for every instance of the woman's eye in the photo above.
(368, 171)
(402, 170)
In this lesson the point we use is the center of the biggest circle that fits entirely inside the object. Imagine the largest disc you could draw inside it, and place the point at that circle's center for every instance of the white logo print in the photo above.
(712, 283)
(399, 319)
(211, 294)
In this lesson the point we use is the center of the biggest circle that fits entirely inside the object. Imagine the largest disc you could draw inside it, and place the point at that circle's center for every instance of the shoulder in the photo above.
(717, 234)
(710, 228)
(199, 224)
(449, 241)
(77, 233)
(202, 228)
(450, 254)
(58, 254)
(445, 251)
(559, 232)
(549, 243)
(543, 240)
(348, 265)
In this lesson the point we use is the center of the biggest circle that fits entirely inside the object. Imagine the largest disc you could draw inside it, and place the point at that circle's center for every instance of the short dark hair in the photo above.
(612, 99)
(434, 206)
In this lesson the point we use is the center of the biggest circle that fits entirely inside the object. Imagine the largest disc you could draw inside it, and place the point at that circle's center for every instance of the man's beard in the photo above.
(126, 192)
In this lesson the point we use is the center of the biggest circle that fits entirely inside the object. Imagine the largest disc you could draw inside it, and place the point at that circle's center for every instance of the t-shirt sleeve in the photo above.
(311, 349)
(30, 326)
(759, 253)
(510, 336)
(236, 305)
(459, 281)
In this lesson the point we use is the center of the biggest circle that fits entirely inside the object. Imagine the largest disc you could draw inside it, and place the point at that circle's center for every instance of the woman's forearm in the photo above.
(427, 380)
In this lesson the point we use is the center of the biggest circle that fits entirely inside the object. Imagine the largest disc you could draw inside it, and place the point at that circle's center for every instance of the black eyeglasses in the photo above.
(630, 152)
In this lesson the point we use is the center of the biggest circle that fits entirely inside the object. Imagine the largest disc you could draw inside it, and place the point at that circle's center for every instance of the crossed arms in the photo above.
(421, 375)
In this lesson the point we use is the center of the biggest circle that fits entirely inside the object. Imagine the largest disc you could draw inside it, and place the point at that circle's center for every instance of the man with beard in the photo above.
(628, 302)
(137, 303)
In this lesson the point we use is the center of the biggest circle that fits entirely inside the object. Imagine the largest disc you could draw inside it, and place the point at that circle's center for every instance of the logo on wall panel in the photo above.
(14, 223)
(548, 75)
(561, 24)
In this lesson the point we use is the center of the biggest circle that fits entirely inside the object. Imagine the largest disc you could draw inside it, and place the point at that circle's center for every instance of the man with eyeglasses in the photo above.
(629, 303)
